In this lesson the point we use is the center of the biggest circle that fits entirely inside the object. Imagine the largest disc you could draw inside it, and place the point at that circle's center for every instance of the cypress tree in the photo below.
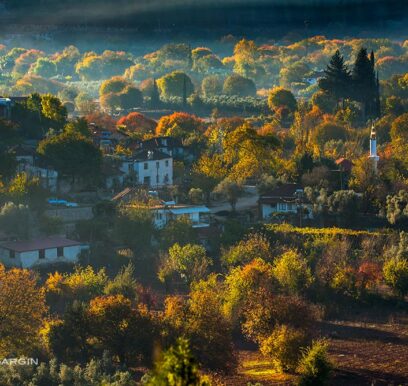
(365, 82)
(337, 78)
(155, 97)
(184, 91)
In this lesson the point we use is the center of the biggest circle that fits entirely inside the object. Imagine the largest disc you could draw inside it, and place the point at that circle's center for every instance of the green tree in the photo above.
(178, 231)
(279, 97)
(26, 190)
(396, 275)
(16, 220)
(239, 86)
(177, 367)
(53, 109)
(337, 78)
(315, 366)
(231, 190)
(175, 84)
(135, 228)
(211, 86)
(45, 68)
(292, 272)
(365, 85)
(189, 262)
(78, 126)
(124, 283)
(72, 154)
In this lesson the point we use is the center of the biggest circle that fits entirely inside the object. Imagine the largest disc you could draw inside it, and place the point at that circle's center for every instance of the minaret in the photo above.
(373, 148)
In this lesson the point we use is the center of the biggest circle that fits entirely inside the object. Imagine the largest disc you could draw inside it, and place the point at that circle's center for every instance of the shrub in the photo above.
(315, 366)
(283, 346)
(292, 272)
(177, 367)
(396, 275)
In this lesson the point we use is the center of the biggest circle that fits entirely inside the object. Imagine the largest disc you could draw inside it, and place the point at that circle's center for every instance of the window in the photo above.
(282, 207)
(167, 163)
(60, 251)
(12, 254)
(146, 166)
(41, 254)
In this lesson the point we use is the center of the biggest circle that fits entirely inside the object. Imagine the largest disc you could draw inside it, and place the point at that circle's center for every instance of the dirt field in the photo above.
(364, 353)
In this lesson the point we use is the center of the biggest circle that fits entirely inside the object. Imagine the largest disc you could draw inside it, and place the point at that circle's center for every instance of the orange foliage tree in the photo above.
(22, 308)
(137, 123)
(179, 125)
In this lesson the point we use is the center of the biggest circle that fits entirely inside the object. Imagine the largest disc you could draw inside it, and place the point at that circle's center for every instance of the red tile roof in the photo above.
(34, 245)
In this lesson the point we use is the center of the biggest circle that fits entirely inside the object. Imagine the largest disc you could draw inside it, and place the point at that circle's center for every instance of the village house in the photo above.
(105, 139)
(167, 145)
(284, 199)
(199, 215)
(27, 163)
(166, 211)
(149, 168)
(26, 254)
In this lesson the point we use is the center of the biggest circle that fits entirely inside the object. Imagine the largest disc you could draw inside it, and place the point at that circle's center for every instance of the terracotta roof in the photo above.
(34, 245)
(346, 164)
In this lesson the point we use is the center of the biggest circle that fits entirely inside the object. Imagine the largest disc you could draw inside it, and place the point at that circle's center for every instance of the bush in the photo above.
(283, 346)
(396, 275)
(315, 366)
(177, 367)
(292, 272)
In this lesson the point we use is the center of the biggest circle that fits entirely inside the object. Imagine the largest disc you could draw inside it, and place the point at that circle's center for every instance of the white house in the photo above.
(199, 215)
(150, 168)
(27, 164)
(284, 199)
(26, 254)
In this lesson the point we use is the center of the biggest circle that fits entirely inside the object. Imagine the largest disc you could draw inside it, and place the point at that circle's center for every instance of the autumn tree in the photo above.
(137, 124)
(202, 321)
(208, 171)
(125, 331)
(279, 97)
(179, 125)
(242, 283)
(22, 309)
(253, 246)
(292, 272)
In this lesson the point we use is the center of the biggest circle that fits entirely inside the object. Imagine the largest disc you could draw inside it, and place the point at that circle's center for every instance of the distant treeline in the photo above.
(228, 14)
